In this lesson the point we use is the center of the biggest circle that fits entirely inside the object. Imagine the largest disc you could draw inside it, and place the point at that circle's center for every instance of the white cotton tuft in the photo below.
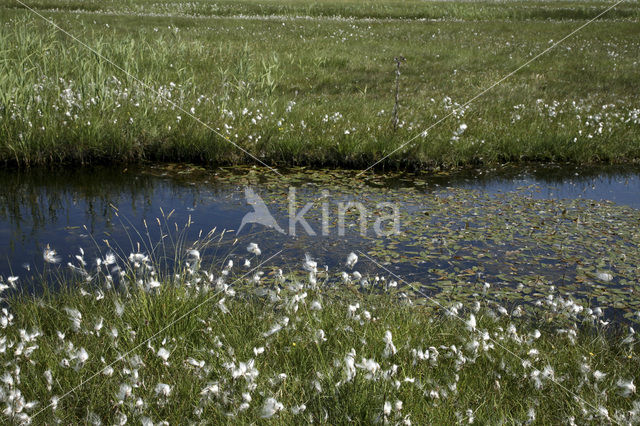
(163, 389)
(352, 259)
(390, 348)
(164, 354)
(254, 249)
(270, 407)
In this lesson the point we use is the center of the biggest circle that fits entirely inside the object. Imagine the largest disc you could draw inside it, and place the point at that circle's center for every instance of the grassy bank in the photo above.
(135, 345)
(388, 9)
(317, 92)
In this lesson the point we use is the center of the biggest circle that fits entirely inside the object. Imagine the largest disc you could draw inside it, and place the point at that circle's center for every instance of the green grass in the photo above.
(493, 383)
(387, 9)
(318, 92)
(102, 335)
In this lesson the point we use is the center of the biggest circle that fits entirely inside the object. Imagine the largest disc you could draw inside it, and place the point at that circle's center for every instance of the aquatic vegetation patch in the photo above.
(454, 242)
(459, 242)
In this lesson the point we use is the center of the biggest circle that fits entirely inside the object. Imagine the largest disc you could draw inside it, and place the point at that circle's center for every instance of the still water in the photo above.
(507, 225)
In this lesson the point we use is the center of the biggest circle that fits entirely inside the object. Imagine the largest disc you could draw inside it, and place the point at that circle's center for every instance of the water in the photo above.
(69, 209)
(619, 184)
(446, 233)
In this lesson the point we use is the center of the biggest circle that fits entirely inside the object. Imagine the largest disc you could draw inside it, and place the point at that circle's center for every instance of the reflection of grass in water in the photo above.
(207, 343)
(451, 237)
(39, 198)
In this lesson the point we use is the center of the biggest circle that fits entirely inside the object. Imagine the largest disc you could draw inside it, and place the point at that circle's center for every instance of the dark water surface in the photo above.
(452, 224)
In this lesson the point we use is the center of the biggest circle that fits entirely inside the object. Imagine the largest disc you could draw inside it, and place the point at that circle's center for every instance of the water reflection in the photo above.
(73, 208)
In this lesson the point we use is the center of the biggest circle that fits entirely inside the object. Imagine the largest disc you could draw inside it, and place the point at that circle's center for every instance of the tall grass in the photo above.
(309, 93)
(233, 345)
(408, 9)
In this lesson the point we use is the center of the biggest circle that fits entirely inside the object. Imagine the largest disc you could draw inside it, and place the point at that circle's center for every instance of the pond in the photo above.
(511, 230)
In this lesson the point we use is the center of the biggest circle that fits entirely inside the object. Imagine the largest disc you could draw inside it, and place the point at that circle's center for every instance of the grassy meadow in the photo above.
(125, 339)
(136, 345)
(295, 83)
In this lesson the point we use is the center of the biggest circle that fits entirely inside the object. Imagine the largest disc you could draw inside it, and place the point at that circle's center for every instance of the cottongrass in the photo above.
(299, 347)
(96, 114)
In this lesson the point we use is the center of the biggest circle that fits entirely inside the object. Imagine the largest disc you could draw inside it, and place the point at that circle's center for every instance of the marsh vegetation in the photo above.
(491, 306)
(297, 91)
(243, 343)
